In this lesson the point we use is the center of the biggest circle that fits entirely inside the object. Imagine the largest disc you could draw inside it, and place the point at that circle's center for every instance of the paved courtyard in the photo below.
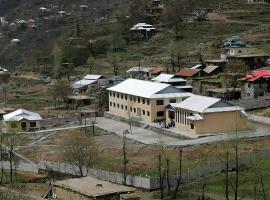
(150, 137)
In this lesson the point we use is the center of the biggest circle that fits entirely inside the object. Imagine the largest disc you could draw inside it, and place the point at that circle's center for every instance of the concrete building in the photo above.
(21, 120)
(88, 188)
(207, 115)
(143, 100)
(173, 80)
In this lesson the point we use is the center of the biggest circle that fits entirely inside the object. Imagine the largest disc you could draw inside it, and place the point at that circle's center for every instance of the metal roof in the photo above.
(146, 89)
(209, 69)
(257, 74)
(197, 103)
(93, 77)
(187, 72)
(167, 78)
(139, 69)
(223, 109)
(82, 83)
(195, 117)
(21, 114)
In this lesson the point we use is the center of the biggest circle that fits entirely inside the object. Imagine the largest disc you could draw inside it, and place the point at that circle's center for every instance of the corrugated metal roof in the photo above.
(146, 89)
(171, 95)
(187, 72)
(255, 75)
(82, 83)
(138, 69)
(209, 69)
(92, 77)
(157, 69)
(196, 66)
(223, 109)
(195, 117)
(167, 78)
(20, 114)
(197, 103)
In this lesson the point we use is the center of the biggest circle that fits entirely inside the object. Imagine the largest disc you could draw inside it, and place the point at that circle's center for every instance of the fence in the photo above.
(139, 181)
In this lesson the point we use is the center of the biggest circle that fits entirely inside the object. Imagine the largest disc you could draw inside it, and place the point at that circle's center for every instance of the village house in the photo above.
(207, 115)
(189, 73)
(144, 29)
(21, 120)
(258, 1)
(173, 80)
(156, 70)
(89, 80)
(143, 100)
(88, 188)
(256, 84)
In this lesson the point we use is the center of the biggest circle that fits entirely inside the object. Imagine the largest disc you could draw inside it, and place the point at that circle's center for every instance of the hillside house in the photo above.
(147, 30)
(156, 70)
(21, 120)
(4, 75)
(89, 80)
(173, 80)
(256, 84)
(88, 188)
(143, 100)
(139, 71)
(207, 115)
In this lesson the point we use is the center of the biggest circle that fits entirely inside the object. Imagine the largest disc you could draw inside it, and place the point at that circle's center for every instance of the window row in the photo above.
(131, 98)
(181, 117)
(139, 111)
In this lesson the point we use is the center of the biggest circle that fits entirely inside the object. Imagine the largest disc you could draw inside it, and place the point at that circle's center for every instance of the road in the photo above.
(149, 137)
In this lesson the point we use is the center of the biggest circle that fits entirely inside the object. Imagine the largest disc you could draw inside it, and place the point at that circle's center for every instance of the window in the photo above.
(122, 96)
(134, 109)
(130, 98)
(160, 102)
(143, 101)
(192, 126)
(134, 99)
(126, 107)
(110, 93)
(33, 124)
(143, 112)
(118, 105)
(117, 95)
(139, 100)
(130, 109)
(110, 103)
(147, 102)
(160, 113)
(13, 125)
(125, 97)
(148, 113)
(113, 94)
(113, 104)
(172, 100)
(122, 107)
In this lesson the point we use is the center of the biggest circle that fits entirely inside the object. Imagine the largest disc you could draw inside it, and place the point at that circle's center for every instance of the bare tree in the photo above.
(125, 160)
(59, 91)
(80, 151)
(179, 178)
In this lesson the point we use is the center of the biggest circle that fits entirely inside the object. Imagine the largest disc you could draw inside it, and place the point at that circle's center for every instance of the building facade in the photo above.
(206, 115)
(143, 100)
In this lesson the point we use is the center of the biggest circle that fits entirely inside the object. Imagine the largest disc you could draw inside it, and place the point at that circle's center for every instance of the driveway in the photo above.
(149, 137)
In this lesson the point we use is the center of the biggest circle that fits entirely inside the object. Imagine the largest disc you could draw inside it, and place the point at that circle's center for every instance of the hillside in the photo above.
(111, 42)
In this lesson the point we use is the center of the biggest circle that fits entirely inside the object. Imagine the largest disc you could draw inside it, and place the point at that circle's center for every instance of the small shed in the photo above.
(188, 73)
(89, 188)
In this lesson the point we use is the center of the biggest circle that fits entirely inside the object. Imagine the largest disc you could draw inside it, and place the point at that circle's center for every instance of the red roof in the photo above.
(187, 72)
(157, 69)
(255, 75)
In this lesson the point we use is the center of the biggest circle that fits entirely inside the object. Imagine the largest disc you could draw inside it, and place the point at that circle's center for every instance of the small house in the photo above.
(21, 120)
(88, 188)
(145, 29)
(188, 73)
(206, 115)
(89, 80)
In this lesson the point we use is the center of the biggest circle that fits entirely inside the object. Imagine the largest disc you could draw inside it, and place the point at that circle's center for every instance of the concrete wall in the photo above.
(145, 109)
(221, 122)
(15, 126)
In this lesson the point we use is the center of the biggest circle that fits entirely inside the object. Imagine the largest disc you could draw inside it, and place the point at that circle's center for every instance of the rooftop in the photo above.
(167, 78)
(211, 68)
(187, 72)
(92, 187)
(21, 114)
(257, 74)
(93, 77)
(146, 89)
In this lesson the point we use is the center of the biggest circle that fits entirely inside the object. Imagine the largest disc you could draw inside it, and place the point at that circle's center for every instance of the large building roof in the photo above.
(92, 187)
(203, 104)
(21, 114)
(146, 89)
